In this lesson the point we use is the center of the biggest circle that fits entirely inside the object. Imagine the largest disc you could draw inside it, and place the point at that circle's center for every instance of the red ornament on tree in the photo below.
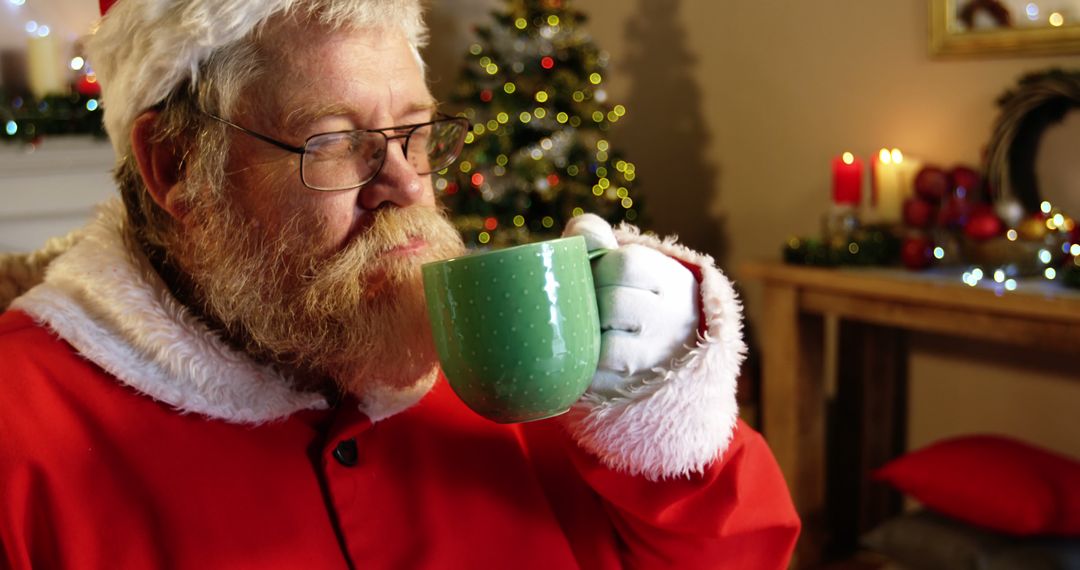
(88, 86)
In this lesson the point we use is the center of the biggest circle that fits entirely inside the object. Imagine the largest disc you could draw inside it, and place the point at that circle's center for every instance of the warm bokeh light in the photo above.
(884, 156)
(848, 158)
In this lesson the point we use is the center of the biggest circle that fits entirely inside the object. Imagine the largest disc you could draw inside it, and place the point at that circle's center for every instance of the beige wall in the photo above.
(734, 109)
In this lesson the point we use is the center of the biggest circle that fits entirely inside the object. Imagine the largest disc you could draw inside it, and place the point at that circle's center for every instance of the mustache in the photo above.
(390, 228)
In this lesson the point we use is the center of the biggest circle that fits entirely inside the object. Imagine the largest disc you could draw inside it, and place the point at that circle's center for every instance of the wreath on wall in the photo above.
(1039, 101)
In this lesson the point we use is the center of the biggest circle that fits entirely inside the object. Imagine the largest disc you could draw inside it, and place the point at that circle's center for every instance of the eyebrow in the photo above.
(301, 116)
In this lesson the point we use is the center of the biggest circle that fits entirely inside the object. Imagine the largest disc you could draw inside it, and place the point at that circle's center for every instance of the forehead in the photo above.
(374, 73)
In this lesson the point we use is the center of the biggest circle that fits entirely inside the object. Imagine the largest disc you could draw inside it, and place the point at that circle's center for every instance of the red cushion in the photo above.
(993, 481)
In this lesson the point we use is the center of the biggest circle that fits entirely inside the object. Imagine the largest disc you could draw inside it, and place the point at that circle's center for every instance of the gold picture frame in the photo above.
(948, 40)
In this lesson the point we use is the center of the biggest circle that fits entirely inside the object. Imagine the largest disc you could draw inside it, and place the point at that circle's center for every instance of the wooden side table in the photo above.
(875, 308)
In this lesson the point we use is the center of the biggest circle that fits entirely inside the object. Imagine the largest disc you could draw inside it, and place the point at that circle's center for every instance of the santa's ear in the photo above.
(161, 164)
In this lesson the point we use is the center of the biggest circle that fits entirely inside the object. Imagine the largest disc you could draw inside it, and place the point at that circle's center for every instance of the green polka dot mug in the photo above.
(516, 329)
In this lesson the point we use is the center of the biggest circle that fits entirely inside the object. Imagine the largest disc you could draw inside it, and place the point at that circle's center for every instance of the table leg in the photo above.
(793, 409)
(867, 428)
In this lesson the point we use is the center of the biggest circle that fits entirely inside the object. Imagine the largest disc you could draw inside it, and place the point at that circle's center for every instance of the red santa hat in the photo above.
(142, 50)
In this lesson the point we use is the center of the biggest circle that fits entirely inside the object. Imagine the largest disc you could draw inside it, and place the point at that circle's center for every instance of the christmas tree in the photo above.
(538, 153)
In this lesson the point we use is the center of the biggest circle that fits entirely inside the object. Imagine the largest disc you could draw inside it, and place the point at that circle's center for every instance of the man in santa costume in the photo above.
(231, 366)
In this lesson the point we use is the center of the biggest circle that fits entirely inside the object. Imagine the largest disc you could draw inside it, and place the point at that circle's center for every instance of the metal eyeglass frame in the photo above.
(302, 150)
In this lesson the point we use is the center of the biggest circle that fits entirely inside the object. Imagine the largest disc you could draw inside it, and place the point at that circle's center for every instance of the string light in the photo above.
(484, 237)
(520, 23)
(547, 221)
(519, 220)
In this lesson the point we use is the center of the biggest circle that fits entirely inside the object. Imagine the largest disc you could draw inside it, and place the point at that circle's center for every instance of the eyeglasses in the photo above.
(349, 159)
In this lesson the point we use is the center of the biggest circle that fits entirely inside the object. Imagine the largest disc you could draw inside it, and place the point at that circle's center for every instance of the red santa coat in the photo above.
(110, 459)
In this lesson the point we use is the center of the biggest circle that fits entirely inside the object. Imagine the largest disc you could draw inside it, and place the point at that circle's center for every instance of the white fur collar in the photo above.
(108, 302)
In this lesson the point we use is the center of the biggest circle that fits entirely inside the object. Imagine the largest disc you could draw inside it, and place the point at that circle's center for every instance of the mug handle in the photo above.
(598, 252)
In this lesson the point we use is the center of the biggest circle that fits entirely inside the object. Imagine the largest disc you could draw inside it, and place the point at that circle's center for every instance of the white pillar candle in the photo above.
(46, 70)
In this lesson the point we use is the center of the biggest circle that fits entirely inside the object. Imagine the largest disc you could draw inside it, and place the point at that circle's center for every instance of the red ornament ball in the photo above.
(954, 213)
(931, 183)
(918, 213)
(983, 225)
(547, 62)
(967, 178)
(917, 252)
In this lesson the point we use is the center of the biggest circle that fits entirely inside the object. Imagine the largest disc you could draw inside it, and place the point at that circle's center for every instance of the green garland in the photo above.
(869, 246)
(23, 119)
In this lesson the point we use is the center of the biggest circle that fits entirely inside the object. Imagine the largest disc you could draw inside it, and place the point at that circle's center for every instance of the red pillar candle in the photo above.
(847, 179)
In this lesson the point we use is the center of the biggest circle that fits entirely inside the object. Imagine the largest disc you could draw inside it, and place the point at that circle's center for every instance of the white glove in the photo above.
(648, 304)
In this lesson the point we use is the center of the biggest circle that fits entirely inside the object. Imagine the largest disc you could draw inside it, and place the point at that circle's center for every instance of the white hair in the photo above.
(144, 50)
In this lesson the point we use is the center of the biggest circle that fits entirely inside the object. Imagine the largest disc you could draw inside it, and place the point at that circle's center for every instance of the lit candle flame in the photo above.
(848, 158)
